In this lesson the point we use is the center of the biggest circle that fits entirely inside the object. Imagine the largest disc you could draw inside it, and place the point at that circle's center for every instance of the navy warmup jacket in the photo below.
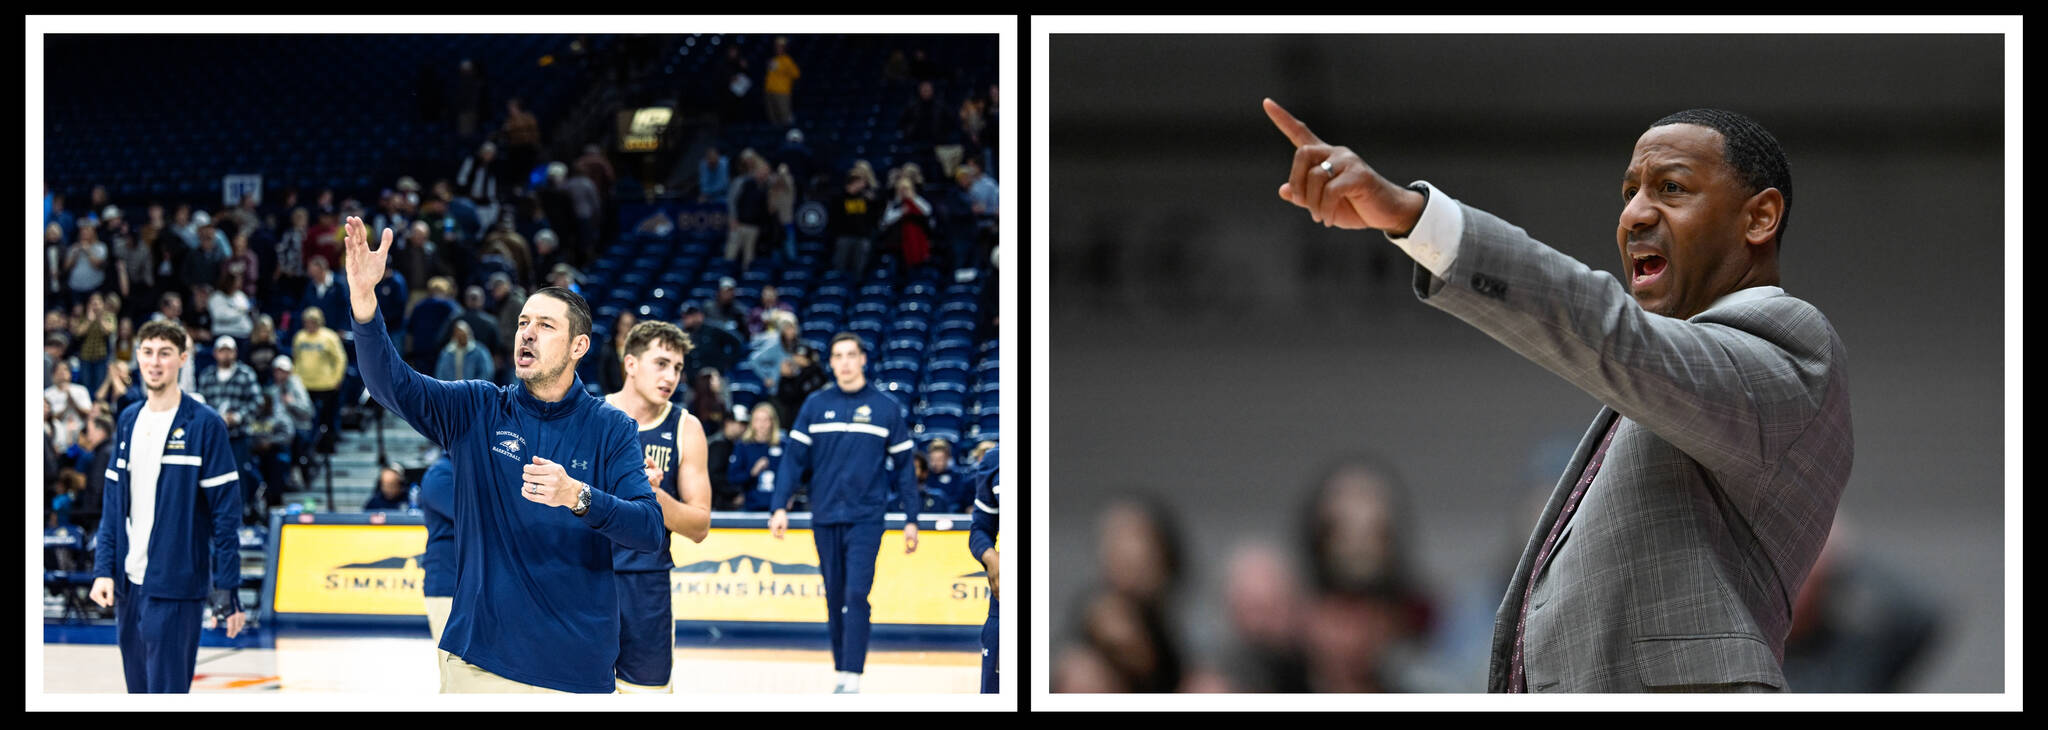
(198, 508)
(534, 594)
(858, 448)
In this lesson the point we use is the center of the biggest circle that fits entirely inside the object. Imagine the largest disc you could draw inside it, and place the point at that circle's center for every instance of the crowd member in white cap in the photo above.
(289, 427)
(235, 393)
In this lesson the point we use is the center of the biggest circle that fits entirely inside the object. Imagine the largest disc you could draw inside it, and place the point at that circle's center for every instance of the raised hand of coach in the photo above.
(365, 266)
(1338, 188)
(546, 483)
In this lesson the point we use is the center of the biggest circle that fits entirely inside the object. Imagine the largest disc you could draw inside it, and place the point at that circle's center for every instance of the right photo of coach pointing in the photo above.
(1669, 555)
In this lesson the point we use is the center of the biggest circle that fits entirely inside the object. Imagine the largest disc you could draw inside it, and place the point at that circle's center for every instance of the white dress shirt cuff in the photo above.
(1434, 241)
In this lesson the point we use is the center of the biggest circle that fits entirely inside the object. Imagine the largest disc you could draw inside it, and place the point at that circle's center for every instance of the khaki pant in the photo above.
(740, 243)
(437, 619)
(460, 677)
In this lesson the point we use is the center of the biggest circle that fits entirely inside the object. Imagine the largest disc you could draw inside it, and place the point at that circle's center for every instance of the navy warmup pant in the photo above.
(647, 629)
(159, 638)
(846, 555)
(988, 651)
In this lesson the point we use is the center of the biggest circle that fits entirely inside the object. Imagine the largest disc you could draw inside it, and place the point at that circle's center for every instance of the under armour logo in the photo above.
(579, 463)
(830, 414)
(667, 436)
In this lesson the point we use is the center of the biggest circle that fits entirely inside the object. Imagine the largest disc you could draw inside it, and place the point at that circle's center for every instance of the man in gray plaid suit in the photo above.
(1669, 555)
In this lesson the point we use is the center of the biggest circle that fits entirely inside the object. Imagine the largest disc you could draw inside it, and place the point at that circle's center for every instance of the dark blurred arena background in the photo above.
(1223, 354)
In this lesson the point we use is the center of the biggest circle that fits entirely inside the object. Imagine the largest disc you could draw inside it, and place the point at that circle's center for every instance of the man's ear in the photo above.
(579, 347)
(1764, 212)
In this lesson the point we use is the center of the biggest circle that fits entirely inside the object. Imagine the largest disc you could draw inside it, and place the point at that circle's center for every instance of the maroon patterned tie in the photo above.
(1515, 679)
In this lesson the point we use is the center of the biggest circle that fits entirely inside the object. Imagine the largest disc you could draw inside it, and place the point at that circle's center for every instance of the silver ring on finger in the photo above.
(1327, 170)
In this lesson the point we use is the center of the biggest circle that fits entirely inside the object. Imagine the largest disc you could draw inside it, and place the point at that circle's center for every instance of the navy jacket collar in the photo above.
(550, 411)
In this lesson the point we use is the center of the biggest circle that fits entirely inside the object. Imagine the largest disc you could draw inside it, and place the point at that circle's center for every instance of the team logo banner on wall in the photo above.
(351, 569)
(747, 575)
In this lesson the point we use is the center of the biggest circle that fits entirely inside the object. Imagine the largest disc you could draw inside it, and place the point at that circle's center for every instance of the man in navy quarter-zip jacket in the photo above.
(547, 479)
(856, 442)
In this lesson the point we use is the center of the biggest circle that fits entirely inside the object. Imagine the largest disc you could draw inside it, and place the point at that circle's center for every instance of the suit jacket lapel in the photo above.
(1511, 606)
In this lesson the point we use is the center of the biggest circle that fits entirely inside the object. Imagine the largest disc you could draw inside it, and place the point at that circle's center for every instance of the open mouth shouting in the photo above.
(525, 358)
(1649, 268)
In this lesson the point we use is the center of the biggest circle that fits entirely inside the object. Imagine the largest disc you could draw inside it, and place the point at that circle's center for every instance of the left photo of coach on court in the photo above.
(596, 363)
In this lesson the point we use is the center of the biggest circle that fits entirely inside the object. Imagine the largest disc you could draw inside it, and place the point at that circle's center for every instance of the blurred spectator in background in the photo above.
(951, 492)
(427, 321)
(96, 448)
(547, 257)
(850, 220)
(738, 82)
(1265, 605)
(290, 274)
(584, 207)
(185, 225)
(326, 290)
(924, 118)
(233, 391)
(724, 311)
(771, 302)
(801, 375)
(754, 458)
(53, 267)
(69, 405)
(135, 276)
(203, 265)
(324, 205)
(389, 215)
(777, 83)
(725, 494)
(773, 347)
(510, 300)
(522, 140)
(66, 222)
(84, 264)
(991, 130)
(781, 234)
(391, 493)
(749, 213)
(243, 218)
(323, 240)
(906, 224)
(1858, 625)
(464, 358)
(594, 165)
(94, 334)
(796, 156)
(263, 345)
(478, 180)
(1126, 625)
(289, 399)
(1368, 614)
(708, 400)
(566, 277)
(611, 367)
(392, 297)
(242, 264)
(504, 252)
(714, 177)
(232, 311)
(321, 361)
(412, 256)
(468, 100)
(483, 326)
(199, 317)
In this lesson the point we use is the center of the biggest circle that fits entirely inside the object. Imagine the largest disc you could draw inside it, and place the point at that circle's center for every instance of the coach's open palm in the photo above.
(365, 267)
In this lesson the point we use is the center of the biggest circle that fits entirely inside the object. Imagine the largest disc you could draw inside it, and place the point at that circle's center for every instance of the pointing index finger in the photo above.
(1296, 131)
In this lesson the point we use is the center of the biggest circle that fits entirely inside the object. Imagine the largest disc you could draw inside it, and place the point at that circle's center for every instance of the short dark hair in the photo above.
(579, 310)
(1750, 150)
(163, 329)
(847, 336)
